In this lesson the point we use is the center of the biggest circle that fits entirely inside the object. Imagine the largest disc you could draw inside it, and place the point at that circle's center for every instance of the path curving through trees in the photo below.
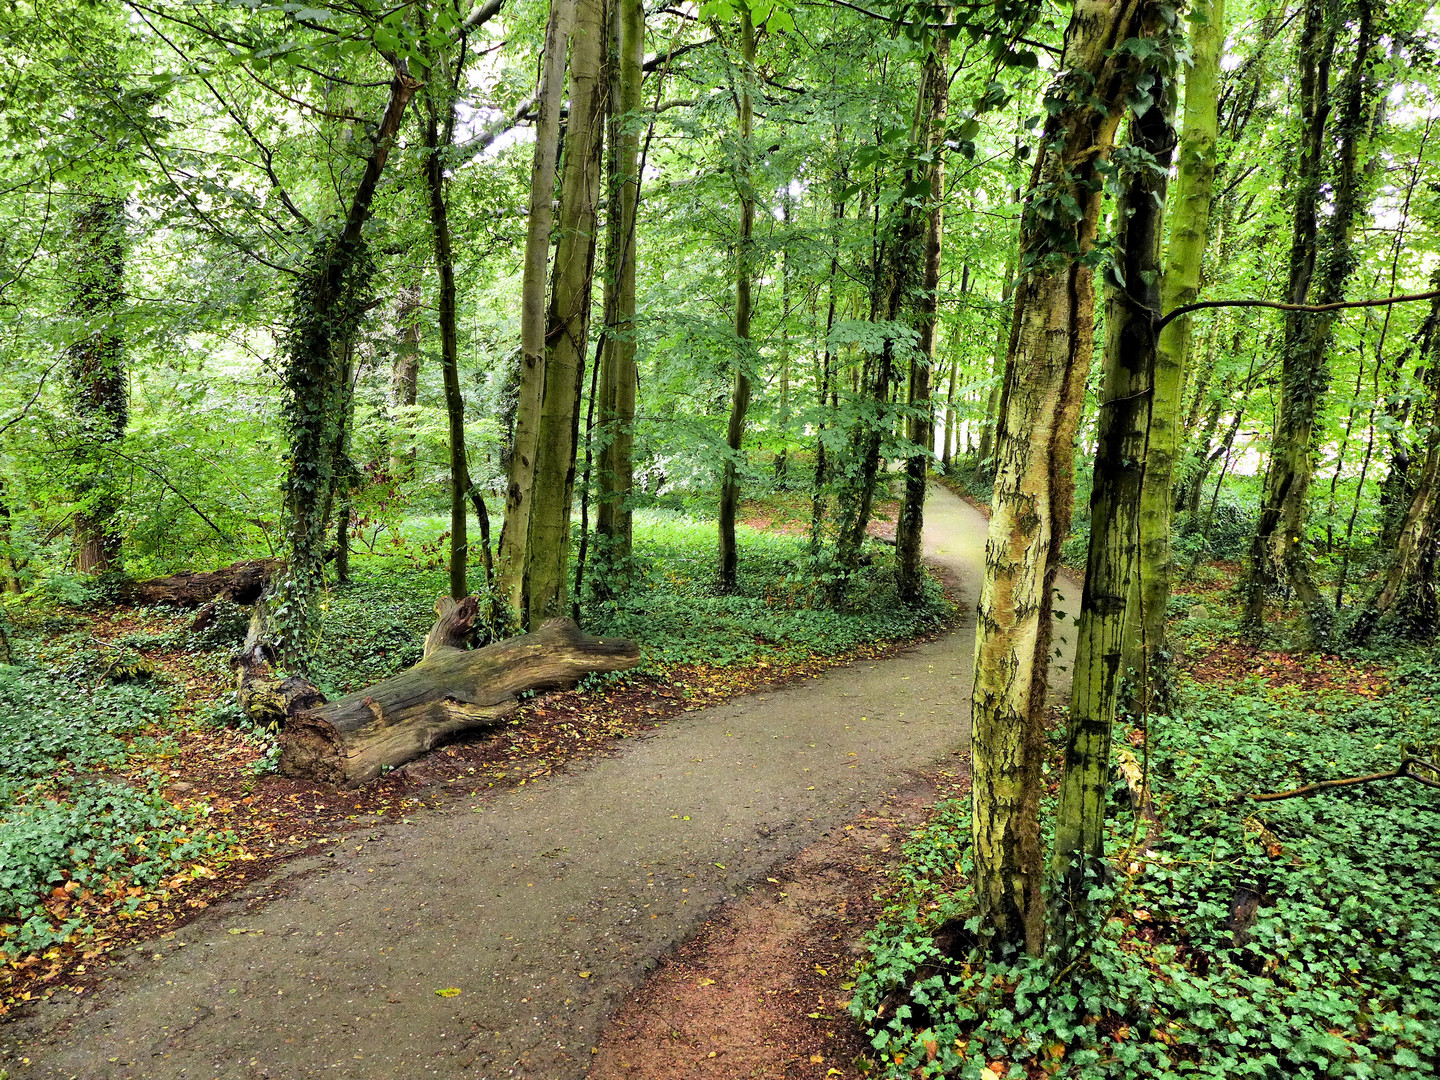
(544, 906)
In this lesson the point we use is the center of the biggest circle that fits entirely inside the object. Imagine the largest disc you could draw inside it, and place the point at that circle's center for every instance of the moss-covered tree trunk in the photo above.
(933, 107)
(744, 271)
(618, 376)
(1047, 363)
(546, 588)
(1116, 508)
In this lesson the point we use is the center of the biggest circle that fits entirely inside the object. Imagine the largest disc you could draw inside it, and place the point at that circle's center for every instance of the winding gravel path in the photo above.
(545, 905)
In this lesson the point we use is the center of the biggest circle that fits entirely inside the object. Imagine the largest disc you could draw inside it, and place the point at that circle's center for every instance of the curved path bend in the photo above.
(544, 905)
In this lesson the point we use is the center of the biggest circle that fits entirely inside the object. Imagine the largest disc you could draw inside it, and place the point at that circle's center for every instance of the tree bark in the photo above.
(1116, 508)
(241, 583)
(1047, 363)
(546, 581)
(405, 375)
(933, 107)
(550, 98)
(744, 257)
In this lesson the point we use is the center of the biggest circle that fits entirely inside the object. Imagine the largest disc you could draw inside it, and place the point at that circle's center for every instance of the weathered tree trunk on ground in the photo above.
(931, 111)
(618, 376)
(99, 389)
(520, 486)
(744, 270)
(453, 689)
(241, 583)
(1116, 510)
(1189, 214)
(1278, 550)
(1048, 360)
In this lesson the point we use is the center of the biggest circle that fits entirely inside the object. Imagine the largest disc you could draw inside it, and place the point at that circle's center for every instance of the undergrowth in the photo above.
(1338, 974)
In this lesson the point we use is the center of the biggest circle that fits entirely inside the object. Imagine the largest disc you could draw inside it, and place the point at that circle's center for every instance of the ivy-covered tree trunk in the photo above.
(520, 486)
(405, 375)
(1116, 505)
(1278, 550)
(618, 376)
(933, 107)
(95, 364)
(327, 303)
(1047, 363)
(744, 257)
(1189, 216)
(546, 582)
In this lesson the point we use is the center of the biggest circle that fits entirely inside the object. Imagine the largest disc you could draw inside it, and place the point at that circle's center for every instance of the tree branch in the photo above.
(1403, 772)
(1186, 309)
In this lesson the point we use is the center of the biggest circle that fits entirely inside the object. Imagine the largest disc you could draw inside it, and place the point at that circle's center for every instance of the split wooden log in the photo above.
(354, 739)
(240, 582)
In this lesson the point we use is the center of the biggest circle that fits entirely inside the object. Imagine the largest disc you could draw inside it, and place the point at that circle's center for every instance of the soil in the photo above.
(493, 930)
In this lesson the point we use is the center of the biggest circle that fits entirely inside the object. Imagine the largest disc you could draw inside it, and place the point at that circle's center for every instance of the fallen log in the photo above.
(452, 689)
(240, 582)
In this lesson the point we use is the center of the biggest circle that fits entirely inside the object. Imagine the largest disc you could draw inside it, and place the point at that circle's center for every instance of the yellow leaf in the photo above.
(817, 1059)
(586, 974)
(449, 991)
(706, 982)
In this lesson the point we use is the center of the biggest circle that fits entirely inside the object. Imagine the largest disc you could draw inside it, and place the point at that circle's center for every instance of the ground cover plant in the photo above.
(1293, 938)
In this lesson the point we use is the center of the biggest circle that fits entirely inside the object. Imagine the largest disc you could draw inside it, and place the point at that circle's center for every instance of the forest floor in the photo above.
(364, 957)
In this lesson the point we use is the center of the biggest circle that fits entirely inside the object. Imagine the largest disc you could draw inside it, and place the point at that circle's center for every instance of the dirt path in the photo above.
(544, 906)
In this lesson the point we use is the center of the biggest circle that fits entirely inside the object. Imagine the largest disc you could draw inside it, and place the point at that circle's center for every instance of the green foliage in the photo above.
(1338, 975)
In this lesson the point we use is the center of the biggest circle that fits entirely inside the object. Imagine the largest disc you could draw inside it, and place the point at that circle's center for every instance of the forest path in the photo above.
(544, 905)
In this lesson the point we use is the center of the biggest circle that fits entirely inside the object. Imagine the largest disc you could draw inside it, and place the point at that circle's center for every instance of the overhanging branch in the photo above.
(1201, 305)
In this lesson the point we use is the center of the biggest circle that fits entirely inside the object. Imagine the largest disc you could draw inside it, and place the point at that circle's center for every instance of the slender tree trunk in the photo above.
(744, 257)
(546, 582)
(618, 375)
(405, 375)
(997, 375)
(520, 486)
(1117, 506)
(1047, 363)
(950, 421)
(932, 110)
(99, 390)
(1279, 547)
(1189, 218)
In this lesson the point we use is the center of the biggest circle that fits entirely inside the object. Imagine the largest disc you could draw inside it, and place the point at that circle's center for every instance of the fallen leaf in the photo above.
(449, 991)
(586, 974)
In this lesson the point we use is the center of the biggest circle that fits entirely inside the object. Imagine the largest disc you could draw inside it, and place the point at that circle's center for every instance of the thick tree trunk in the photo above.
(98, 385)
(520, 488)
(1189, 213)
(618, 376)
(933, 107)
(744, 257)
(241, 583)
(546, 588)
(453, 689)
(1048, 360)
(405, 376)
(1116, 509)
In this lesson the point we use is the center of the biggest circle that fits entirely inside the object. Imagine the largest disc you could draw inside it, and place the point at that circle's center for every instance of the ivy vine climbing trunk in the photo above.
(545, 589)
(328, 301)
(1189, 215)
(519, 488)
(618, 376)
(744, 257)
(95, 364)
(1048, 359)
(1278, 551)
(1121, 467)
(931, 111)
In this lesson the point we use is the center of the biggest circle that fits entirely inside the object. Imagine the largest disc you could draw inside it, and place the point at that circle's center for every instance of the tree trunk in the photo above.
(930, 127)
(96, 369)
(520, 486)
(950, 423)
(744, 257)
(997, 374)
(241, 583)
(618, 376)
(546, 581)
(1278, 551)
(405, 376)
(1048, 360)
(328, 303)
(453, 689)
(1189, 214)
(1117, 507)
